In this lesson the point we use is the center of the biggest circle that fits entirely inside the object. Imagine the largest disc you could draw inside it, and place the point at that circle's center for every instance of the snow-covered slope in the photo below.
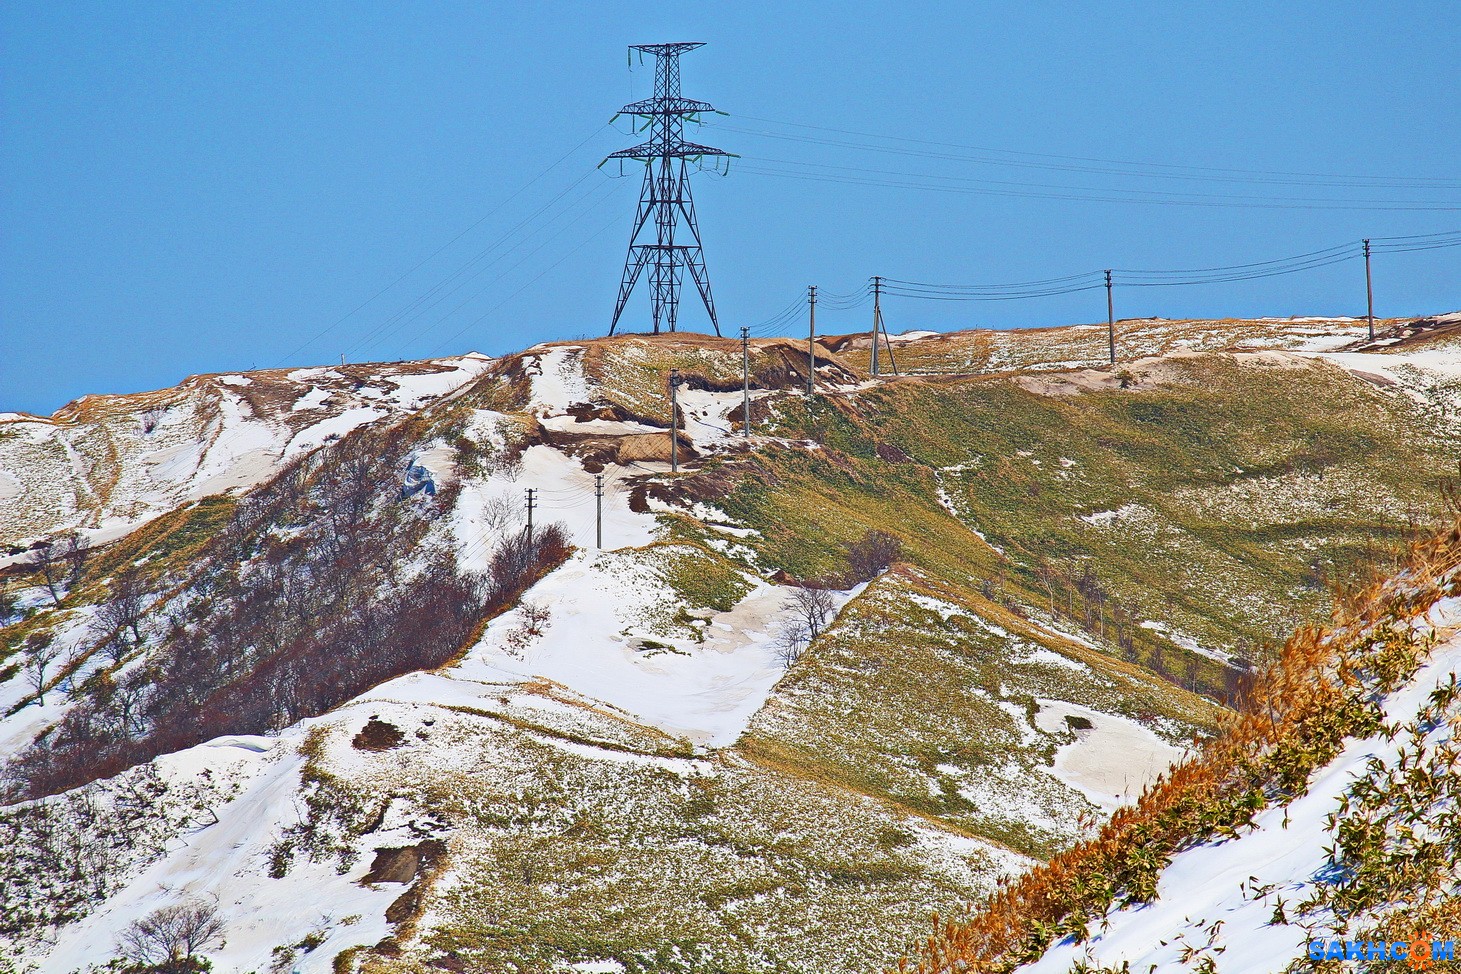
(1239, 905)
(107, 464)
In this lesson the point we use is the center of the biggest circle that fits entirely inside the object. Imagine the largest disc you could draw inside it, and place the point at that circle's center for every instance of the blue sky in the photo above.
(208, 187)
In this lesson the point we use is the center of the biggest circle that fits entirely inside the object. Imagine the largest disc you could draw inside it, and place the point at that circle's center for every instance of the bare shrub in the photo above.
(41, 652)
(501, 513)
(534, 622)
(813, 606)
(875, 552)
(119, 619)
(790, 643)
(46, 558)
(170, 939)
(73, 549)
(151, 418)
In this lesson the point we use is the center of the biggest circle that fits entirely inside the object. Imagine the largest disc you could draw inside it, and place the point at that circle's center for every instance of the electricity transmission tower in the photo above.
(668, 160)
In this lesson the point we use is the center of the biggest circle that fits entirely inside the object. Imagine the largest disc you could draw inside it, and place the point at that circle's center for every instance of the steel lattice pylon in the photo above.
(665, 195)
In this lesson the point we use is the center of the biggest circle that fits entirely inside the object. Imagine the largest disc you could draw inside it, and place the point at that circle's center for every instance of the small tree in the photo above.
(790, 643)
(168, 940)
(151, 418)
(813, 605)
(42, 652)
(73, 551)
(501, 513)
(50, 566)
(126, 609)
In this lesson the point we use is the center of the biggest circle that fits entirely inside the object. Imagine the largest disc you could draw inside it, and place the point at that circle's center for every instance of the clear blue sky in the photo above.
(206, 187)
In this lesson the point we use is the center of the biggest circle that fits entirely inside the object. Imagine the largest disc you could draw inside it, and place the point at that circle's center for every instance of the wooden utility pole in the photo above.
(532, 503)
(674, 421)
(811, 339)
(1369, 293)
(1110, 319)
(599, 510)
(877, 319)
(745, 381)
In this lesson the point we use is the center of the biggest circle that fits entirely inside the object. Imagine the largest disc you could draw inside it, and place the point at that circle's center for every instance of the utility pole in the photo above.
(599, 510)
(674, 421)
(1110, 319)
(745, 381)
(1369, 293)
(665, 195)
(532, 503)
(811, 339)
(877, 319)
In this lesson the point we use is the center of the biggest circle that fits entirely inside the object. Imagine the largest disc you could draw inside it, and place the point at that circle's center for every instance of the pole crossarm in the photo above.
(650, 107)
(649, 151)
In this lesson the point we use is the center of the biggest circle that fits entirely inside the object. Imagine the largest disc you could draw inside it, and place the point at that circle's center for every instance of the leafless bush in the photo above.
(41, 652)
(170, 938)
(813, 606)
(119, 619)
(46, 558)
(790, 643)
(533, 622)
(73, 550)
(536, 616)
(501, 513)
(873, 553)
(151, 418)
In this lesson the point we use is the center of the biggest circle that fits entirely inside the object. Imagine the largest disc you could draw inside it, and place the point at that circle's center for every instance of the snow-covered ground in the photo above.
(107, 464)
(1220, 898)
(602, 641)
(1112, 758)
(225, 865)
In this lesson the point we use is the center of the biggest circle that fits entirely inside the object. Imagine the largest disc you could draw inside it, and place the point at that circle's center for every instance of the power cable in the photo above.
(1059, 186)
(1143, 168)
(436, 253)
(1092, 197)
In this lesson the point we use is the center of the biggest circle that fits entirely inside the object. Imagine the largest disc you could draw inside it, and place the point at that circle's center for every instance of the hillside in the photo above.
(1319, 825)
(912, 636)
(108, 464)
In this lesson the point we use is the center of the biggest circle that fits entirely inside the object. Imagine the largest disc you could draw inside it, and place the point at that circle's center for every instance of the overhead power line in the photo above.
(941, 184)
(1185, 277)
(1069, 163)
(439, 250)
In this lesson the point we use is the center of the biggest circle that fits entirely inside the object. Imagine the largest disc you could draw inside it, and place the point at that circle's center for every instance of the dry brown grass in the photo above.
(1292, 719)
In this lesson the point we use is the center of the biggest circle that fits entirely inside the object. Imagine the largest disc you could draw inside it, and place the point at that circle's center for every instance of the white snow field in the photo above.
(225, 865)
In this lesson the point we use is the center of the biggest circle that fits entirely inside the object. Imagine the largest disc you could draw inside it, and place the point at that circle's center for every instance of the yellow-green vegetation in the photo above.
(914, 696)
(1217, 498)
(564, 853)
(702, 579)
(1395, 831)
(984, 350)
(163, 548)
(634, 373)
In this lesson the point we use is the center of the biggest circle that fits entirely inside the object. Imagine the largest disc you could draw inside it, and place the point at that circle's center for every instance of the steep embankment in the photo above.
(662, 755)
(1325, 813)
